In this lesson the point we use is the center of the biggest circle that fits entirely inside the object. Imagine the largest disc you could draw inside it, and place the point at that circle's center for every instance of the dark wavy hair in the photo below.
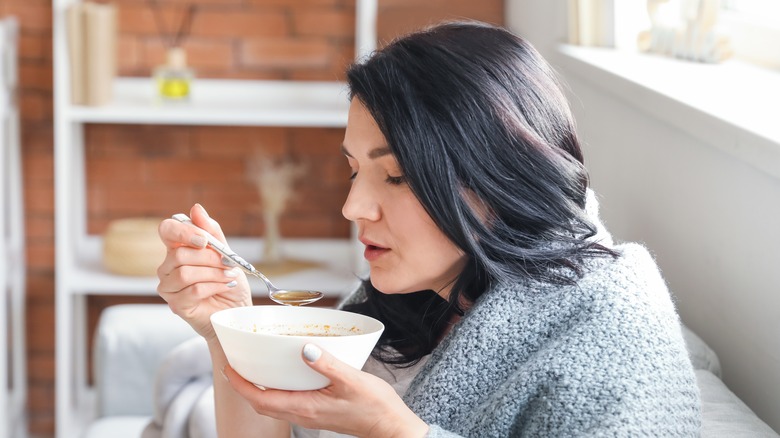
(486, 141)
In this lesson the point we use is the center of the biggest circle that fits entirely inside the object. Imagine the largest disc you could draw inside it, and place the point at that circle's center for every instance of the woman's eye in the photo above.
(352, 177)
(395, 180)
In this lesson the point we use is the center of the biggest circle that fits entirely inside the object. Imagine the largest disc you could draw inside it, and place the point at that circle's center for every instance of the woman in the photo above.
(508, 310)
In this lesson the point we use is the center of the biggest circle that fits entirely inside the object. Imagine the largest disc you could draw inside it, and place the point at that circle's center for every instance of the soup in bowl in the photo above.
(264, 343)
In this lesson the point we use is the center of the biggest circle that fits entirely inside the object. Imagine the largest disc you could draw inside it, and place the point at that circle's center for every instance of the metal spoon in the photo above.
(281, 296)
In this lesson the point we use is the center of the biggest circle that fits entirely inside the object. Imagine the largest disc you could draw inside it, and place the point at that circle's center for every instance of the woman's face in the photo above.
(404, 248)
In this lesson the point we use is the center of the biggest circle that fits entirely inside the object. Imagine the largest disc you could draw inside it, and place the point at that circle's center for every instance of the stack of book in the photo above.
(92, 30)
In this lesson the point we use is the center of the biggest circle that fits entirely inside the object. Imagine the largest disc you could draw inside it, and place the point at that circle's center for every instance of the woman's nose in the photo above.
(360, 203)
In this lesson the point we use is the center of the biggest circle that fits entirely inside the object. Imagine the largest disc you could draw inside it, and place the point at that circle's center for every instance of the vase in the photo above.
(272, 251)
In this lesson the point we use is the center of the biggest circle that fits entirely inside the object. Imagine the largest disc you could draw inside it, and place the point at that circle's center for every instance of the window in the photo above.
(751, 26)
(754, 29)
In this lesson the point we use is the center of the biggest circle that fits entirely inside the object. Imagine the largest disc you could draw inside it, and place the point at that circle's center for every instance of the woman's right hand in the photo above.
(193, 279)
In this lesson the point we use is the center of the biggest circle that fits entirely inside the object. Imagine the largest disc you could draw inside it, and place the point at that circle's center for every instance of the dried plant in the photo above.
(274, 179)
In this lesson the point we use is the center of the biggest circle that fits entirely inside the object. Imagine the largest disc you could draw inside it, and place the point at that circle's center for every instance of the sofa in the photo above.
(151, 380)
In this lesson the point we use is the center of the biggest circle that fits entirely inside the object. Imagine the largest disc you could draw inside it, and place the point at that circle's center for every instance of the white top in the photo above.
(398, 378)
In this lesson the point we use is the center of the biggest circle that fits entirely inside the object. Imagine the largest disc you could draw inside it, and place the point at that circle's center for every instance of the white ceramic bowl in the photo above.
(259, 346)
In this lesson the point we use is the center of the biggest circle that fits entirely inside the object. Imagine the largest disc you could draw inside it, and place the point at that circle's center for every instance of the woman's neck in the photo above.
(453, 320)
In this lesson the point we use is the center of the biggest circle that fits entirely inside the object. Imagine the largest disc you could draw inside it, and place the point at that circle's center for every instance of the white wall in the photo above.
(712, 221)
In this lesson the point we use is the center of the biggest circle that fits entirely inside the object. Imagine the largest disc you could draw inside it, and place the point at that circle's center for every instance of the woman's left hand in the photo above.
(355, 403)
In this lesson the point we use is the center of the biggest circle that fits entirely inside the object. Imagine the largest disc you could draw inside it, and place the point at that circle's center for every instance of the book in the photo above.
(75, 26)
(91, 30)
(100, 47)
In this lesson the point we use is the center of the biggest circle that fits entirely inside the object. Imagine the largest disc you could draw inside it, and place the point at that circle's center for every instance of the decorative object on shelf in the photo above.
(133, 247)
(173, 79)
(92, 34)
(275, 180)
(685, 29)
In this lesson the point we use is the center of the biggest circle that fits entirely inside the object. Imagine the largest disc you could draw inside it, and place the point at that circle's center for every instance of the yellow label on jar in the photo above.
(174, 88)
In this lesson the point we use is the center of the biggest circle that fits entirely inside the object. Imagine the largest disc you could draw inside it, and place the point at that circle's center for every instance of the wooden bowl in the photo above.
(133, 247)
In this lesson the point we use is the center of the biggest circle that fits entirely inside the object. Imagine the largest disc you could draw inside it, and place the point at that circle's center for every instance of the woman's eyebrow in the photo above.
(373, 154)
(379, 152)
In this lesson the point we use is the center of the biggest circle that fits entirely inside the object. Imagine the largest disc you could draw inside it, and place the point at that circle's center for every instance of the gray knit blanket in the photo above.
(603, 358)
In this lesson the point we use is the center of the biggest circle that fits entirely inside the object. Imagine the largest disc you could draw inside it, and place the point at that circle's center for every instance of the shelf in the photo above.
(223, 102)
(5, 269)
(216, 102)
(13, 264)
(335, 278)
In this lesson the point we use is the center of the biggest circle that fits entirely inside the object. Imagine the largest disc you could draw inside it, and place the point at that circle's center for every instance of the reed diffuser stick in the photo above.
(173, 40)
(184, 27)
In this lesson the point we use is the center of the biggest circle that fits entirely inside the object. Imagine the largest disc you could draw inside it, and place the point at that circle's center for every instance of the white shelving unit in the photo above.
(79, 270)
(12, 256)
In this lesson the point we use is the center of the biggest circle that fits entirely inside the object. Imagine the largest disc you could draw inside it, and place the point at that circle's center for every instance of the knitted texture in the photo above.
(605, 357)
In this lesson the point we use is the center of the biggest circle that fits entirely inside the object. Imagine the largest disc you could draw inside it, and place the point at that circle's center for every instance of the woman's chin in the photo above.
(387, 287)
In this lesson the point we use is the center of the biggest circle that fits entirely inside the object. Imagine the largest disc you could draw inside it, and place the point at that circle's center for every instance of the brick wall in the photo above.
(155, 170)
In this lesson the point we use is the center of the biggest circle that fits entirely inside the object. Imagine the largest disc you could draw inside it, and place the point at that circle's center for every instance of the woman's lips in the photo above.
(373, 252)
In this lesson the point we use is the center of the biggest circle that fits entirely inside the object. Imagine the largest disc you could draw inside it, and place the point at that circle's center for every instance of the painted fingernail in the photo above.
(232, 284)
(231, 273)
(198, 241)
(311, 352)
(222, 371)
(227, 262)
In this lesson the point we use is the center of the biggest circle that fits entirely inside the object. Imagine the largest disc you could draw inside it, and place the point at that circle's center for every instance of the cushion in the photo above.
(182, 391)
(130, 343)
(723, 414)
(117, 427)
(701, 355)
(203, 421)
